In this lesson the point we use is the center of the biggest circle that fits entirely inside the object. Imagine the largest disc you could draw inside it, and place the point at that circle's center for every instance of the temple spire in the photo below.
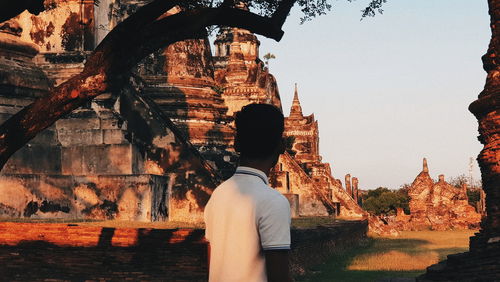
(425, 167)
(296, 110)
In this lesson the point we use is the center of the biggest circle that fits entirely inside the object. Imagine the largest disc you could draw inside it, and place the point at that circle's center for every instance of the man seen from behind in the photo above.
(248, 222)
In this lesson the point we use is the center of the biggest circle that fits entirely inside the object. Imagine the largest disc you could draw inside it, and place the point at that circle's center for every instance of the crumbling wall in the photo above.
(67, 26)
(125, 197)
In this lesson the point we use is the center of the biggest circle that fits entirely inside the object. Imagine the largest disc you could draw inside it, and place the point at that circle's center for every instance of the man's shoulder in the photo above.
(275, 194)
(272, 197)
(260, 190)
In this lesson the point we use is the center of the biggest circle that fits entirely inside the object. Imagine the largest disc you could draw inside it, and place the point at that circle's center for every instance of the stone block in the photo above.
(114, 136)
(112, 124)
(78, 124)
(46, 137)
(80, 137)
(35, 158)
(97, 159)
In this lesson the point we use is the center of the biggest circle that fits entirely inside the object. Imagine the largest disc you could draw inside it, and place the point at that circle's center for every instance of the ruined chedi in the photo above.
(303, 177)
(153, 149)
(119, 157)
(239, 72)
(437, 205)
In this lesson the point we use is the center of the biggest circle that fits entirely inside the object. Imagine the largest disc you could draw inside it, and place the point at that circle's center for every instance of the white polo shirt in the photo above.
(243, 217)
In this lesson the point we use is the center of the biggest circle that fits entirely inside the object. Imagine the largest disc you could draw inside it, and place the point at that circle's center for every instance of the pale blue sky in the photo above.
(389, 90)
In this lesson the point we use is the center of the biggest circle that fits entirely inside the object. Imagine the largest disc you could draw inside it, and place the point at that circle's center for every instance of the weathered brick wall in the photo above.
(38, 251)
(34, 252)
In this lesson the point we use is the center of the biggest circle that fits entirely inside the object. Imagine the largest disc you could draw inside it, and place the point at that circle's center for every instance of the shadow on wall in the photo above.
(191, 179)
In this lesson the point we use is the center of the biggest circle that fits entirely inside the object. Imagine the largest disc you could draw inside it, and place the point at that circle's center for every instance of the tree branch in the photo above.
(127, 44)
(12, 8)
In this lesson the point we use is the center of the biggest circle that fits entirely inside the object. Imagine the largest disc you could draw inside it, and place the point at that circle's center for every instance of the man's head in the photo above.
(259, 132)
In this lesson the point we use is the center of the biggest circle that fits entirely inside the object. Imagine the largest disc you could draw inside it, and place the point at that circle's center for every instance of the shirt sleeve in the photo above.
(274, 225)
(207, 223)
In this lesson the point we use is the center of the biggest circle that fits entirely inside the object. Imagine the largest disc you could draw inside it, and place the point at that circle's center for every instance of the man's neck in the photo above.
(262, 165)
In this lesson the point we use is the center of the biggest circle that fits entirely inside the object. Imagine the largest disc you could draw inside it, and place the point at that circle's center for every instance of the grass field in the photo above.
(381, 257)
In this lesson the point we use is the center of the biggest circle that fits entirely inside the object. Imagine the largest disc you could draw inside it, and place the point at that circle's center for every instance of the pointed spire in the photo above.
(296, 110)
(236, 68)
(425, 167)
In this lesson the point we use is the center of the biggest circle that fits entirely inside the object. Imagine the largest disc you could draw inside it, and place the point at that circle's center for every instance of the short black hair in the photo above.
(259, 130)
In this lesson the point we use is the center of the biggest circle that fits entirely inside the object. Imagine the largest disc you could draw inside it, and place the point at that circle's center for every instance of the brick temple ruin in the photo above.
(437, 205)
(155, 149)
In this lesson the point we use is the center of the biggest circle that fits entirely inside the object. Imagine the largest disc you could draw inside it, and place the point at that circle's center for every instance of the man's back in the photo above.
(243, 218)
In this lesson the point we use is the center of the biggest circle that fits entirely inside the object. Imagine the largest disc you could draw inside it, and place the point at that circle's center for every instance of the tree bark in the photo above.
(125, 46)
(487, 111)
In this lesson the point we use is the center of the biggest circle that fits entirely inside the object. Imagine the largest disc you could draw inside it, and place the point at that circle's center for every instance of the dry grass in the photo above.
(405, 256)
(393, 261)
(441, 239)
(412, 250)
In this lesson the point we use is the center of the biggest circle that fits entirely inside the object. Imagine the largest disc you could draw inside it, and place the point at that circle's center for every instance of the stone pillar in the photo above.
(355, 189)
(348, 184)
(441, 178)
(425, 167)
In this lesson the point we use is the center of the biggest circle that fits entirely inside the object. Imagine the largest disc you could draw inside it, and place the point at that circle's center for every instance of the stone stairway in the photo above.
(199, 112)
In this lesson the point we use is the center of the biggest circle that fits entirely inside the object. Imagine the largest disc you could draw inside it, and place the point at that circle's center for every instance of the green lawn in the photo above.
(381, 257)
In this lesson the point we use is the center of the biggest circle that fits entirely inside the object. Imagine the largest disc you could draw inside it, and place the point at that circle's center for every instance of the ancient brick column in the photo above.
(487, 110)
(482, 262)
(355, 189)
(348, 184)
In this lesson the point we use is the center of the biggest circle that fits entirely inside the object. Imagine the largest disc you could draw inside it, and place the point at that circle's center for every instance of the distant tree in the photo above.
(268, 57)
(384, 201)
(473, 196)
(459, 180)
(473, 189)
(405, 187)
(377, 192)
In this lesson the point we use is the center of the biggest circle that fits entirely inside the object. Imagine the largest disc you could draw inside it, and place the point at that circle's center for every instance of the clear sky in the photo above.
(389, 90)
